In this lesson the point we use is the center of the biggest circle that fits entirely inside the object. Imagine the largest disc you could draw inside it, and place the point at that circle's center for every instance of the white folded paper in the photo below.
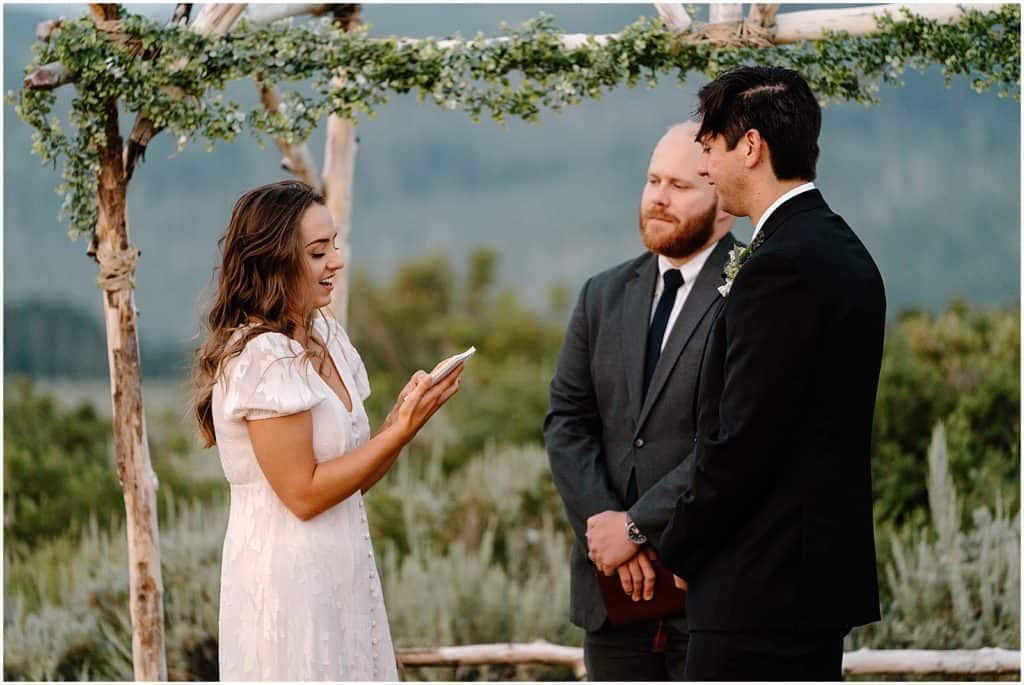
(438, 374)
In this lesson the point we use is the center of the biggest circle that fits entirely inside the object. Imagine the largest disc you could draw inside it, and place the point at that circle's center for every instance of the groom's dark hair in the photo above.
(775, 101)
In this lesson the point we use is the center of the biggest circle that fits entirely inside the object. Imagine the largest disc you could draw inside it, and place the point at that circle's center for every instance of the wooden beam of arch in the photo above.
(791, 27)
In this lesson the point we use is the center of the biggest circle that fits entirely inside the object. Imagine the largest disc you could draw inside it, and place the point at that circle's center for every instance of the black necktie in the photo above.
(673, 279)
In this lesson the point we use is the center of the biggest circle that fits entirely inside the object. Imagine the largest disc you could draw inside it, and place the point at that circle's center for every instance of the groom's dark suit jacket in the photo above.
(600, 428)
(774, 529)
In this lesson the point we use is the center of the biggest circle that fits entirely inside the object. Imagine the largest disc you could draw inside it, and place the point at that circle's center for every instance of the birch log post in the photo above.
(117, 257)
(339, 170)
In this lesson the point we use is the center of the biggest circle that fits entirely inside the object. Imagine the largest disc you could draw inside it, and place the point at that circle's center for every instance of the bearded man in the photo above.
(621, 419)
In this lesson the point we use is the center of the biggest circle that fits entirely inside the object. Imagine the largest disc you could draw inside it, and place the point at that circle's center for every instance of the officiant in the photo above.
(620, 418)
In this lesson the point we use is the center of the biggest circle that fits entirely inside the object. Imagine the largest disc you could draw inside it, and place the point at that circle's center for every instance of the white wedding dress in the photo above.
(299, 600)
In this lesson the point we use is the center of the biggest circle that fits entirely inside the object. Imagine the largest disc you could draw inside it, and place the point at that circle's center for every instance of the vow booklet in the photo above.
(438, 374)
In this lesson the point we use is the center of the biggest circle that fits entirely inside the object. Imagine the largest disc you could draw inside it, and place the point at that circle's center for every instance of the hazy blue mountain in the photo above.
(929, 179)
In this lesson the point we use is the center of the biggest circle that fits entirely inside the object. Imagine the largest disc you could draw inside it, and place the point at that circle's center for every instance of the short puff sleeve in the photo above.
(269, 378)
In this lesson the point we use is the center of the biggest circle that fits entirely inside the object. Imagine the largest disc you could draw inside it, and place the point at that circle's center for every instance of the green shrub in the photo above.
(57, 467)
(961, 367)
(465, 558)
(80, 628)
(428, 312)
(60, 470)
(952, 587)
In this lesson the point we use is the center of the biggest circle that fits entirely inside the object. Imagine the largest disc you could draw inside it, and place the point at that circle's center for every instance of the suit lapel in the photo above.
(636, 319)
(702, 296)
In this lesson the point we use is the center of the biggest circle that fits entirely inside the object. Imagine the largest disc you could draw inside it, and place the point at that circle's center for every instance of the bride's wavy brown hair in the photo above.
(258, 283)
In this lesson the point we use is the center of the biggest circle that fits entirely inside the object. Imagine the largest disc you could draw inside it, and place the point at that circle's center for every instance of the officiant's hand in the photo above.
(637, 575)
(679, 582)
(606, 539)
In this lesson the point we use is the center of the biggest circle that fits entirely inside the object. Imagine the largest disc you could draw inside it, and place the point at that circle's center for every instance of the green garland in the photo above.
(518, 76)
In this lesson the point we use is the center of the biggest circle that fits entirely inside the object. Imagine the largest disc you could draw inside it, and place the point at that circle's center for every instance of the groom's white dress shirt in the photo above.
(690, 271)
(775, 205)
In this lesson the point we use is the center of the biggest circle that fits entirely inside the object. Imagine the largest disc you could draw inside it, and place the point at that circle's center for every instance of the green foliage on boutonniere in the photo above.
(738, 256)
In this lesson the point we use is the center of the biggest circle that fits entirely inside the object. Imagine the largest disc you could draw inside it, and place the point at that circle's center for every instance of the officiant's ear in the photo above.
(756, 150)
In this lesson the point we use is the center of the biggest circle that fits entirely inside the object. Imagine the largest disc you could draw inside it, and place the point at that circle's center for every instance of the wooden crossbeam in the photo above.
(863, 662)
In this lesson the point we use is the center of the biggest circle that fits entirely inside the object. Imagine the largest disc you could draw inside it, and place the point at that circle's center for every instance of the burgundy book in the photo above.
(668, 600)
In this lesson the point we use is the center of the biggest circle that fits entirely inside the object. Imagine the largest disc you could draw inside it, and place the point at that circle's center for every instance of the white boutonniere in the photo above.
(738, 256)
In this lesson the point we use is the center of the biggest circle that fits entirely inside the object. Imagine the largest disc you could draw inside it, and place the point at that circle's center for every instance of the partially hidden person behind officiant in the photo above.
(620, 415)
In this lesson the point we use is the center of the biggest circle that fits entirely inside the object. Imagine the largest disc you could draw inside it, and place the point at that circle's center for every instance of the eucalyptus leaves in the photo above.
(150, 67)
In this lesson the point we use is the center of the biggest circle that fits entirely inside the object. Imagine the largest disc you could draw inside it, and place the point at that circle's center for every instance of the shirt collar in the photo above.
(690, 270)
(775, 205)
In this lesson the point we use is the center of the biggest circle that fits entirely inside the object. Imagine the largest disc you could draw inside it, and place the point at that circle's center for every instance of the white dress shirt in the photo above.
(690, 271)
(775, 205)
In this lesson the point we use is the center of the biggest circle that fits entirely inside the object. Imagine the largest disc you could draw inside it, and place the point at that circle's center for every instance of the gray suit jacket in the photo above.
(599, 429)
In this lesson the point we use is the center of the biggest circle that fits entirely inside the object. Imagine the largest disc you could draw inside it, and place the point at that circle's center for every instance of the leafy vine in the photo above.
(180, 85)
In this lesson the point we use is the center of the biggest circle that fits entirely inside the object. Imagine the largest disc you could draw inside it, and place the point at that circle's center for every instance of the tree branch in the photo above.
(674, 16)
(104, 11)
(725, 12)
(48, 77)
(182, 12)
(295, 157)
(266, 14)
(763, 13)
(214, 20)
(45, 29)
(790, 27)
(793, 27)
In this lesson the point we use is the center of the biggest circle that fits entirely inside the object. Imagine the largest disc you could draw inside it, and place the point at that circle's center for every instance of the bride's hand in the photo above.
(418, 401)
(390, 419)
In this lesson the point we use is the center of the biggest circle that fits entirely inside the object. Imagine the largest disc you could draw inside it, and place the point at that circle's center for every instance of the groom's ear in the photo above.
(756, 150)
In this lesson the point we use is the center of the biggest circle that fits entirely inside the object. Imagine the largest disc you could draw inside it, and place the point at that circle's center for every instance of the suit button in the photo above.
(688, 496)
(638, 443)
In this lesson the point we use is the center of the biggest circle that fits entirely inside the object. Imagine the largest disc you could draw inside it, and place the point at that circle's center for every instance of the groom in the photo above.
(773, 530)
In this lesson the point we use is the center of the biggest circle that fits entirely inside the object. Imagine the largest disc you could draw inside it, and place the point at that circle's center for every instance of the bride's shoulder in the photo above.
(259, 350)
(263, 342)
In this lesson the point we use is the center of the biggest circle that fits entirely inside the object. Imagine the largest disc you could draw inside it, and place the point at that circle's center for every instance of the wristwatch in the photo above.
(634, 534)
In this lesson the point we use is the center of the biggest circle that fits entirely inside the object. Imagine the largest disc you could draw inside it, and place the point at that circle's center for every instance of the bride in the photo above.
(280, 390)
